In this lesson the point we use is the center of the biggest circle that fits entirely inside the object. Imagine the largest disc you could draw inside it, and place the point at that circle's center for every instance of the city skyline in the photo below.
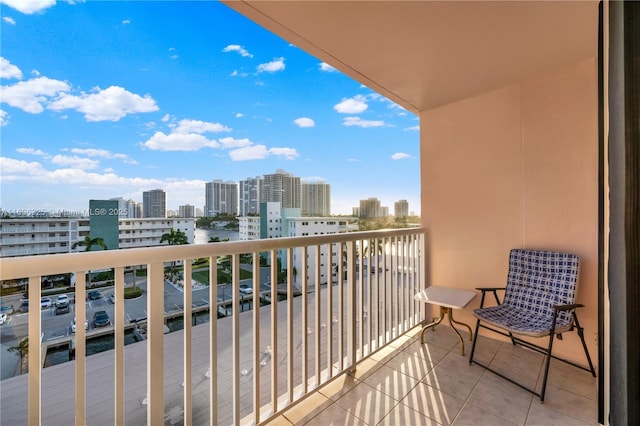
(132, 96)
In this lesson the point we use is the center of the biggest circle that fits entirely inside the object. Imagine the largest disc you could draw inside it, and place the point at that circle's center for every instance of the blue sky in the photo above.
(104, 99)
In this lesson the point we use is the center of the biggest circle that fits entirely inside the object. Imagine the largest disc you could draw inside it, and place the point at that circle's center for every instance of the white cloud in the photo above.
(126, 21)
(254, 152)
(239, 115)
(9, 20)
(103, 153)
(31, 151)
(304, 122)
(259, 152)
(354, 105)
(413, 128)
(287, 153)
(230, 142)
(75, 162)
(29, 6)
(237, 48)
(276, 65)
(179, 142)
(400, 156)
(30, 95)
(235, 73)
(197, 126)
(4, 118)
(166, 118)
(8, 70)
(326, 67)
(110, 104)
(357, 121)
(12, 169)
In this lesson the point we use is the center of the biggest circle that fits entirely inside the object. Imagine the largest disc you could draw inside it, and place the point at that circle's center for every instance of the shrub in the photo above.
(132, 293)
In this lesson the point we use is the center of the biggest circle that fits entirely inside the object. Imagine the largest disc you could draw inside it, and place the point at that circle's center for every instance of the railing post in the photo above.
(155, 344)
(351, 309)
(118, 327)
(213, 340)
(187, 321)
(35, 353)
(80, 350)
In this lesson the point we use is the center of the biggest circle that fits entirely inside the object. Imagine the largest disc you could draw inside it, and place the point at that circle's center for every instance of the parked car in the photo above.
(6, 309)
(112, 298)
(3, 318)
(101, 319)
(24, 306)
(94, 295)
(246, 289)
(62, 299)
(73, 325)
(45, 303)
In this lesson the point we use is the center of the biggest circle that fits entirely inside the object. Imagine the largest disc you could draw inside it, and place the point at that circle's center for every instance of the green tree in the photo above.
(89, 243)
(23, 350)
(174, 238)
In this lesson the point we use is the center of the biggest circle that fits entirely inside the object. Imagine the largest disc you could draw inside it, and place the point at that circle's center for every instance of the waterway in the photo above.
(202, 235)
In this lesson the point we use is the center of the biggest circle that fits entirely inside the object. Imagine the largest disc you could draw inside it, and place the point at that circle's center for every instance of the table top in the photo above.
(450, 297)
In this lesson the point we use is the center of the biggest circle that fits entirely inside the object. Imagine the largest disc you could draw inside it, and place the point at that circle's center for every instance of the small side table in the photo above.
(448, 298)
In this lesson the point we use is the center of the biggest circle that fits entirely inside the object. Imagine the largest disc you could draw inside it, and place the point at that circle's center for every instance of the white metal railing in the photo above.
(364, 302)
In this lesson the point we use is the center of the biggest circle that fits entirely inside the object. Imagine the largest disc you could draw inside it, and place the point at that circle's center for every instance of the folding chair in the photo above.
(539, 301)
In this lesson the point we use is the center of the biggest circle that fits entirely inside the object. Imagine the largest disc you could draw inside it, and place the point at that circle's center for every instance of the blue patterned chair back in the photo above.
(538, 280)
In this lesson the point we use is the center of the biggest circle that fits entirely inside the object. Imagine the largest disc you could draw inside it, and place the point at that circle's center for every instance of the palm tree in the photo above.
(22, 349)
(174, 238)
(88, 243)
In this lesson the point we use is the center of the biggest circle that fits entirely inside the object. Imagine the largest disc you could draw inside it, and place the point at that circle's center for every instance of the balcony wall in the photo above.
(515, 167)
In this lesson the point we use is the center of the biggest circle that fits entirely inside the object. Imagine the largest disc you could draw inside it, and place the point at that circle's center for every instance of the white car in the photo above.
(73, 325)
(246, 289)
(45, 303)
(3, 318)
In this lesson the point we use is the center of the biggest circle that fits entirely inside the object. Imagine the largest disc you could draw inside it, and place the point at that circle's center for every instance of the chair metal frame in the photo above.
(507, 331)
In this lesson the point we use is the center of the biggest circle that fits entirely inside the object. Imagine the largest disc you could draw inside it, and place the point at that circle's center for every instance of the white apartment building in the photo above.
(250, 196)
(281, 187)
(221, 197)
(316, 199)
(28, 237)
(249, 228)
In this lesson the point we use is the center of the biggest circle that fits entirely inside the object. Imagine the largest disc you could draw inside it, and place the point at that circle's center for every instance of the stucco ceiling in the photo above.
(423, 54)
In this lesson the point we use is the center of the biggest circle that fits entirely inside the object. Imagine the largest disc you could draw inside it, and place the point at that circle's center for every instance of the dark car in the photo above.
(94, 295)
(101, 319)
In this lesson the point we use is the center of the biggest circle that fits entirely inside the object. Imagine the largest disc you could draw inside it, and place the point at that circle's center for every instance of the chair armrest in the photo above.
(494, 290)
(567, 307)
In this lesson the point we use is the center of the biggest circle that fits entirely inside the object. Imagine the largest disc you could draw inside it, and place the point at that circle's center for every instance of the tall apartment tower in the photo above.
(316, 199)
(401, 208)
(186, 211)
(281, 187)
(250, 196)
(221, 197)
(154, 203)
(371, 208)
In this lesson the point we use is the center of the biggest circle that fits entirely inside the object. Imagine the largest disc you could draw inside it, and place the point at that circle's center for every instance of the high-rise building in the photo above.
(281, 187)
(316, 199)
(186, 211)
(371, 208)
(401, 208)
(221, 197)
(250, 196)
(154, 203)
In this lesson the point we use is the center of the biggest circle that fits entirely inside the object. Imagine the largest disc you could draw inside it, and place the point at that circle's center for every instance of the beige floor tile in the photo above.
(431, 353)
(304, 411)
(391, 382)
(452, 382)
(367, 403)
(335, 415)
(365, 368)
(433, 403)
(570, 404)
(443, 336)
(543, 415)
(338, 387)
(416, 367)
(572, 379)
(476, 416)
(402, 415)
(279, 421)
(501, 398)
(523, 370)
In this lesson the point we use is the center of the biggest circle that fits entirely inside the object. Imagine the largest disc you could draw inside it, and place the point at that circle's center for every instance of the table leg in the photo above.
(451, 322)
(433, 324)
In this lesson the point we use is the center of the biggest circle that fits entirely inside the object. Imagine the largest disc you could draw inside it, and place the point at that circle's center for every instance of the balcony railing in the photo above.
(355, 297)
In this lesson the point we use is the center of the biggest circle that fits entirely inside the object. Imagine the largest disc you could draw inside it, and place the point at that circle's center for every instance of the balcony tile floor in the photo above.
(404, 383)
(409, 383)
